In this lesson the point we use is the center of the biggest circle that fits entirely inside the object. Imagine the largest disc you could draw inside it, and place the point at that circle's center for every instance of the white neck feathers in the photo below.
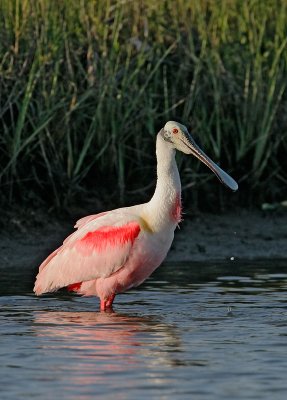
(164, 207)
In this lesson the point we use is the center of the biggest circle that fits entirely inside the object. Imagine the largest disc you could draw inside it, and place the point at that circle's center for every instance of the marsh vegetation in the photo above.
(84, 87)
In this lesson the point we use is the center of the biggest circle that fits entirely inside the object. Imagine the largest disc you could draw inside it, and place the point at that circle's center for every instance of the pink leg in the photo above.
(103, 305)
(107, 303)
(110, 301)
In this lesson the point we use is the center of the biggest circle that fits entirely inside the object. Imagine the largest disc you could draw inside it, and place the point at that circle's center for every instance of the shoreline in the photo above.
(243, 235)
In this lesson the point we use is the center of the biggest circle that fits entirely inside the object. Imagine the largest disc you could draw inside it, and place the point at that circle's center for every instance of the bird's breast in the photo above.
(176, 209)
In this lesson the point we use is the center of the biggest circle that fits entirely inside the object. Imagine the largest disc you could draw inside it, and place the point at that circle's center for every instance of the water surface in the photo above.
(196, 331)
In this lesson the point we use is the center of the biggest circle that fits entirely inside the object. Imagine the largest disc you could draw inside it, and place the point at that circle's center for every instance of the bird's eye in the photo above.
(175, 130)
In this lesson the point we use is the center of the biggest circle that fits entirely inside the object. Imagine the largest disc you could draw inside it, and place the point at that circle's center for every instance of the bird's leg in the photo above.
(107, 303)
(110, 300)
(103, 305)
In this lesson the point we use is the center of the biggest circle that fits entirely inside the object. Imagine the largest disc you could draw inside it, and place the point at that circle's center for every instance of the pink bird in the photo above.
(116, 250)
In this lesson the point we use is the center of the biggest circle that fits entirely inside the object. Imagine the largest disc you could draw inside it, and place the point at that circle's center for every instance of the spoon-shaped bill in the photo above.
(221, 175)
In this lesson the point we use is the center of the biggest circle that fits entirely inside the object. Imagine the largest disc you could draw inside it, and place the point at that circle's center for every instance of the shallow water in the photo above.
(192, 331)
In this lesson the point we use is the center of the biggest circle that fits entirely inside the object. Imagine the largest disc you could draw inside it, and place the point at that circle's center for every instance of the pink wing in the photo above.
(98, 249)
(79, 224)
(83, 221)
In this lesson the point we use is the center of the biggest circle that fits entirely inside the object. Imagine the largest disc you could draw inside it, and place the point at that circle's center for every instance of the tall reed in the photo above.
(84, 87)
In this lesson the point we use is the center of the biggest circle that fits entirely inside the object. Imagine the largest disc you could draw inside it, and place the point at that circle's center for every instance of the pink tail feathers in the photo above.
(37, 288)
(40, 284)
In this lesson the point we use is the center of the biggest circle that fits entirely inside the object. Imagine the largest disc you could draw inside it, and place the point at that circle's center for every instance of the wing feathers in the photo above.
(107, 236)
(96, 253)
(83, 221)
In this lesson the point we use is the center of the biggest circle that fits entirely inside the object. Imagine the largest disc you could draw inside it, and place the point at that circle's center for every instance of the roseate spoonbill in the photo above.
(116, 250)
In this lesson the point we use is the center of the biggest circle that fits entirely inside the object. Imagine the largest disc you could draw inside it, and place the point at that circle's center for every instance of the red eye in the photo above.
(175, 130)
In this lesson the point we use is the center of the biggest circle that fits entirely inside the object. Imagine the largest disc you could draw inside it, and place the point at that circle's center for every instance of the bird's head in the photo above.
(178, 136)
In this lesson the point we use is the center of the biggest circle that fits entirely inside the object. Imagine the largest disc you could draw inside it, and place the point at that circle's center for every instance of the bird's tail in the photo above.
(41, 285)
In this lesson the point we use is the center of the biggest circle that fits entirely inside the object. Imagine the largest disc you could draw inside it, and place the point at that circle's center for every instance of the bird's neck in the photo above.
(165, 206)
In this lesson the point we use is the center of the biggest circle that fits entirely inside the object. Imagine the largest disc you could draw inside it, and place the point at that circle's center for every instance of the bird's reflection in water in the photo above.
(98, 344)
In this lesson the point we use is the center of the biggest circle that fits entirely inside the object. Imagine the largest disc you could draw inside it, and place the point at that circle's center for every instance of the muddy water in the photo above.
(193, 331)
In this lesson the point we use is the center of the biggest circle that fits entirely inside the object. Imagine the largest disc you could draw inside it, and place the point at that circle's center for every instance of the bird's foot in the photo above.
(107, 304)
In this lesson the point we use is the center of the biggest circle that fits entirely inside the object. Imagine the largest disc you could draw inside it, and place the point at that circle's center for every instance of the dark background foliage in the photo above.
(86, 85)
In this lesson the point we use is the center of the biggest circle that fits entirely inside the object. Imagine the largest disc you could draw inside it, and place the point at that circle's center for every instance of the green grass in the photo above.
(85, 86)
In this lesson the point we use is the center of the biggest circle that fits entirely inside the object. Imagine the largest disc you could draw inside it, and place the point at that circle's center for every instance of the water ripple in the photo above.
(207, 333)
